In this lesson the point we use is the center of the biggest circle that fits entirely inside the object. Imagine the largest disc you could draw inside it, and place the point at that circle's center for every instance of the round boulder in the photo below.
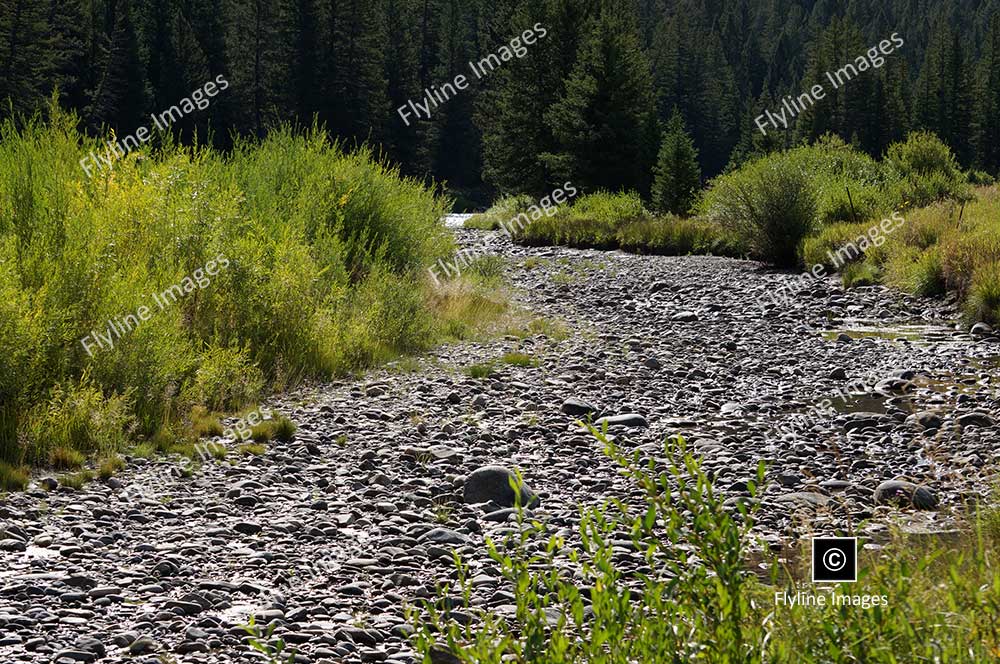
(495, 483)
(905, 494)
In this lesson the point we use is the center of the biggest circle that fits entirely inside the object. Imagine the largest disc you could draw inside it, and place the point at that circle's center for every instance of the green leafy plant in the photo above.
(274, 650)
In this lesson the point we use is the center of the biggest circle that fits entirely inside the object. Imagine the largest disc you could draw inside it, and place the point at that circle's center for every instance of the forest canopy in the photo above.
(589, 102)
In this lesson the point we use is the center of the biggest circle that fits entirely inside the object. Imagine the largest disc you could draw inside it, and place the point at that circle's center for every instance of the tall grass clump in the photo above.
(317, 259)
(592, 220)
(605, 220)
(695, 597)
(771, 204)
(502, 211)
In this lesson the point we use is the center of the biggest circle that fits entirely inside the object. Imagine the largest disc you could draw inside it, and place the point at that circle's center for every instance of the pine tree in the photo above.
(26, 56)
(356, 89)
(677, 175)
(406, 141)
(605, 124)
(255, 51)
(986, 135)
(513, 100)
(303, 39)
(118, 98)
(943, 103)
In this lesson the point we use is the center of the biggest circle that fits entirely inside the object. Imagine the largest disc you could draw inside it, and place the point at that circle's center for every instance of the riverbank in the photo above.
(334, 532)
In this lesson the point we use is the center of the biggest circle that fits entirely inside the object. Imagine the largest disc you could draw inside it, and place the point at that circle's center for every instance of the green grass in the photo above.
(479, 371)
(252, 449)
(695, 597)
(65, 458)
(279, 428)
(76, 480)
(501, 212)
(620, 221)
(204, 424)
(318, 259)
(107, 468)
(948, 246)
(12, 478)
(520, 360)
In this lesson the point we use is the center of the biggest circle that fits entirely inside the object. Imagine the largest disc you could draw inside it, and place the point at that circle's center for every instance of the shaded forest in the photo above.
(587, 102)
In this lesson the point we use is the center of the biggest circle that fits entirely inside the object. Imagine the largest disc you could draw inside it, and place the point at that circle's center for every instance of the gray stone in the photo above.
(905, 494)
(495, 483)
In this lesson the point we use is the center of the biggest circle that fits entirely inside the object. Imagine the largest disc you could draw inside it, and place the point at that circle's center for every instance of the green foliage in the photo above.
(701, 585)
(505, 209)
(520, 360)
(319, 264)
(677, 175)
(984, 296)
(262, 640)
(771, 204)
(697, 599)
(13, 478)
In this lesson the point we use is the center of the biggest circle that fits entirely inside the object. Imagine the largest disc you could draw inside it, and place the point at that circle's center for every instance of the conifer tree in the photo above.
(677, 175)
(605, 124)
(26, 57)
(986, 130)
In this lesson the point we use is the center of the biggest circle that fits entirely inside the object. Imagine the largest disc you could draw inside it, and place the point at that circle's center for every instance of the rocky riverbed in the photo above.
(329, 536)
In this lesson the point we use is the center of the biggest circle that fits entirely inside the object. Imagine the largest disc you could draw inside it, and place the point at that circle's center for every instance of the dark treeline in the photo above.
(587, 102)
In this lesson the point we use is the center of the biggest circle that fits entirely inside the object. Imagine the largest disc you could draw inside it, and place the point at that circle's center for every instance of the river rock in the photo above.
(495, 483)
(905, 494)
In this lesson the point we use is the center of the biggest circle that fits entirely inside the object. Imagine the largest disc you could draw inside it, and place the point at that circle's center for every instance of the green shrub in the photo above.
(76, 418)
(696, 598)
(226, 380)
(600, 614)
(771, 204)
(319, 260)
(924, 170)
(984, 296)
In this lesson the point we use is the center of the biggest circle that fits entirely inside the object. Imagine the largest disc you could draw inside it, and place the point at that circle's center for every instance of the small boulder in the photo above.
(905, 494)
(494, 483)
(926, 419)
(980, 330)
(627, 420)
(577, 407)
(975, 419)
